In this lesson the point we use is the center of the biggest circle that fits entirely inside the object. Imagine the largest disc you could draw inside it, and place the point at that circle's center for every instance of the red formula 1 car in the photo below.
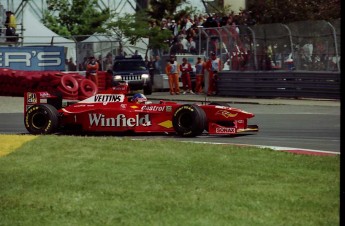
(113, 111)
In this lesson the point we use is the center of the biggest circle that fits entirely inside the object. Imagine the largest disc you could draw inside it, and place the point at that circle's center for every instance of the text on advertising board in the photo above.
(36, 58)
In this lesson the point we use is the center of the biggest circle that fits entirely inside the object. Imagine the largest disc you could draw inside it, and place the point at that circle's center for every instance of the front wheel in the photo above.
(189, 120)
(41, 119)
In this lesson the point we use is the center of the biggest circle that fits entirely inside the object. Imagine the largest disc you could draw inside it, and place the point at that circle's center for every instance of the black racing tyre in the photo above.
(41, 119)
(189, 120)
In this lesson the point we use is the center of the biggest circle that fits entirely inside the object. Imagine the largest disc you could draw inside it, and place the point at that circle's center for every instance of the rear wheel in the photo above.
(189, 120)
(41, 119)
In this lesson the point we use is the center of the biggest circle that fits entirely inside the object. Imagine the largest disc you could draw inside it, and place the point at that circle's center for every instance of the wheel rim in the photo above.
(39, 120)
(186, 120)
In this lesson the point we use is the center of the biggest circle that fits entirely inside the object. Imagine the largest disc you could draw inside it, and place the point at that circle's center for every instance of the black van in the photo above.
(133, 70)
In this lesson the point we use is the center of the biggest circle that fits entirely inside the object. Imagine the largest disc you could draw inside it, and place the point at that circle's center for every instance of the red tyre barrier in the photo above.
(78, 77)
(69, 83)
(52, 79)
(5, 71)
(87, 88)
(53, 76)
(44, 84)
(54, 82)
(45, 78)
(101, 83)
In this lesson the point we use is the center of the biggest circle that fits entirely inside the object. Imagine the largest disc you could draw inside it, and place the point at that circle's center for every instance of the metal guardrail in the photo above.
(274, 84)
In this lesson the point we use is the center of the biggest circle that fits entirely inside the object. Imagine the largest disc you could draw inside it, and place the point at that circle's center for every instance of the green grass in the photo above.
(67, 180)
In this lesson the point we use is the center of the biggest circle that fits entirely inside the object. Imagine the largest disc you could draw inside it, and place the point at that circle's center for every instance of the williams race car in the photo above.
(115, 111)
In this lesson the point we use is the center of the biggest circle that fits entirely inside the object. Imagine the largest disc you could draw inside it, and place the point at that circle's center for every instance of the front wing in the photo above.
(216, 129)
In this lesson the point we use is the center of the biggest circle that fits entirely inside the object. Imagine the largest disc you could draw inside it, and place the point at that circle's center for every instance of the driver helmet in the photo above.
(139, 98)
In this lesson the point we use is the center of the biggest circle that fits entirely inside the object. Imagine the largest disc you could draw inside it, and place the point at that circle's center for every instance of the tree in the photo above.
(76, 17)
(285, 11)
(160, 9)
(135, 27)
(85, 17)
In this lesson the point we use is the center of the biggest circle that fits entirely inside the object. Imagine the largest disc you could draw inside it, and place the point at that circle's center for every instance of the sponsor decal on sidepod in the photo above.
(152, 108)
(104, 98)
(100, 120)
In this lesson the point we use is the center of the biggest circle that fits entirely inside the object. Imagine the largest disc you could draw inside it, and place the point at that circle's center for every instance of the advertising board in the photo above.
(33, 58)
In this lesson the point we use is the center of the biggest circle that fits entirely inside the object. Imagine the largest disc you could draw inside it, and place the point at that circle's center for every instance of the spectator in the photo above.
(223, 21)
(100, 63)
(191, 45)
(108, 62)
(213, 66)
(153, 24)
(265, 60)
(66, 64)
(180, 25)
(185, 69)
(84, 64)
(210, 22)
(199, 71)
(174, 28)
(201, 20)
(188, 24)
(11, 26)
(177, 47)
(150, 64)
(164, 24)
(192, 32)
(71, 65)
(92, 70)
(308, 52)
(238, 59)
(172, 69)
(320, 56)
(158, 65)
(235, 27)
(184, 41)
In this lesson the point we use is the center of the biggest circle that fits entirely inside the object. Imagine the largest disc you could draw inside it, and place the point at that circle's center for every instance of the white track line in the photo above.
(276, 148)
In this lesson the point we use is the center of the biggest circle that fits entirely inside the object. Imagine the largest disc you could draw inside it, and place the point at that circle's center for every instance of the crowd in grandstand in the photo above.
(185, 30)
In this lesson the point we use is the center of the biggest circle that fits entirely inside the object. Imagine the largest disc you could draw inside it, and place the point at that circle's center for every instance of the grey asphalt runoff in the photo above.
(237, 100)
(11, 108)
(9, 104)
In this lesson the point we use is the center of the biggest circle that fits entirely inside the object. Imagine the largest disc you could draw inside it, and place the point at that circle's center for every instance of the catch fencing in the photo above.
(296, 60)
(303, 45)
(299, 59)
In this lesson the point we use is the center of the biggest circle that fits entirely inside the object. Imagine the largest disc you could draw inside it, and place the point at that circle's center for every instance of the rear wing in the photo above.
(33, 98)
